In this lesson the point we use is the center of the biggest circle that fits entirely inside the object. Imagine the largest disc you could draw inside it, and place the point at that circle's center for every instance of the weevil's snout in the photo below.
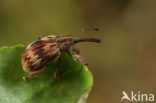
(97, 40)
(87, 40)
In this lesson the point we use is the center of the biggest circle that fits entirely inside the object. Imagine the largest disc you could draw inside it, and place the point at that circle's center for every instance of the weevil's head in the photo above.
(65, 42)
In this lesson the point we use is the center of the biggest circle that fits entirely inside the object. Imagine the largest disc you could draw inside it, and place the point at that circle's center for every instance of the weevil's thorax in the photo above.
(64, 42)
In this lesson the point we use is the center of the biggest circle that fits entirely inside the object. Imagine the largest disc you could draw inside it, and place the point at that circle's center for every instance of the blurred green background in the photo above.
(126, 58)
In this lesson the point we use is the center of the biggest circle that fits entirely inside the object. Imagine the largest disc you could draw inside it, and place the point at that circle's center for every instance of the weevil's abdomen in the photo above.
(39, 53)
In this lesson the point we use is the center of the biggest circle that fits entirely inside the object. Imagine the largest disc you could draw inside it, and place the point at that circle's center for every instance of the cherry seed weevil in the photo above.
(47, 49)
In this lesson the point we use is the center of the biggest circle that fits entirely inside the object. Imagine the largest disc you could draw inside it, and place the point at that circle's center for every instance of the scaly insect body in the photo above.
(47, 49)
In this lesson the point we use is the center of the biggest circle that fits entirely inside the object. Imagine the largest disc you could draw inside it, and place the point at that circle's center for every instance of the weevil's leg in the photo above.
(76, 50)
(32, 74)
(57, 71)
(78, 58)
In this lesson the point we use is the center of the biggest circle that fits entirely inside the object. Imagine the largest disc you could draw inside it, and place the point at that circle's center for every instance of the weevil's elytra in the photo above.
(48, 49)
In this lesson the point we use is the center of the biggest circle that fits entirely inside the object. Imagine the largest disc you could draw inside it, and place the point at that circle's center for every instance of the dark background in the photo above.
(126, 58)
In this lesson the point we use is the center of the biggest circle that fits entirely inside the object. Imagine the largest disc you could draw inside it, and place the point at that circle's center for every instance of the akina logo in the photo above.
(137, 97)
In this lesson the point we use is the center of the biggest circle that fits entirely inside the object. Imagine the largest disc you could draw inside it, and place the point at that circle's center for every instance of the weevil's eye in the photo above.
(75, 40)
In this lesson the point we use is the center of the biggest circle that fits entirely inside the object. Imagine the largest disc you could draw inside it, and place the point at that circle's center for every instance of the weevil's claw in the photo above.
(56, 75)
(25, 78)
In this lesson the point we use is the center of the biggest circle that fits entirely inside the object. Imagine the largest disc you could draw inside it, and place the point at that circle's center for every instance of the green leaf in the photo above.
(73, 87)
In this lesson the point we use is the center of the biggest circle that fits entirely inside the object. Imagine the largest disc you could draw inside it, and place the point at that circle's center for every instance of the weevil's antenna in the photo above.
(90, 29)
(87, 30)
(87, 40)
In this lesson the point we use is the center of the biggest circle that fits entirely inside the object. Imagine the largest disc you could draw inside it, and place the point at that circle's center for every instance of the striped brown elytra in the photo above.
(48, 49)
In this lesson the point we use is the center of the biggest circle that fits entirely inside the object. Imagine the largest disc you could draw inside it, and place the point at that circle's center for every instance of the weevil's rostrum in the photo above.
(48, 49)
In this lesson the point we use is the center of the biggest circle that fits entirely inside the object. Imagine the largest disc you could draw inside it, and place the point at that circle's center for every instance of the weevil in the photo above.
(48, 49)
